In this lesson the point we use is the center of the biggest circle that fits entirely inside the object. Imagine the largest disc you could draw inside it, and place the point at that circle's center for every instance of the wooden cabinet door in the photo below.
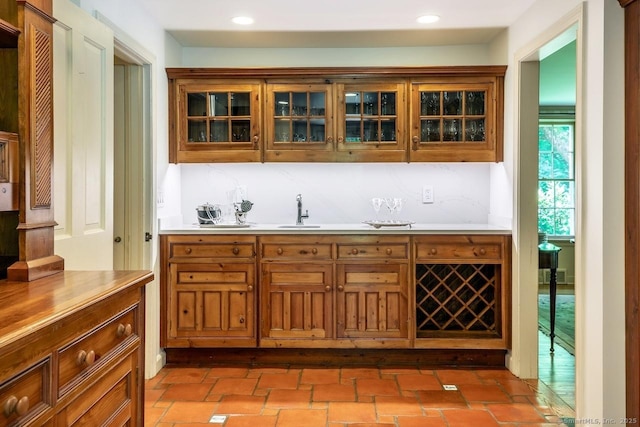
(371, 122)
(299, 122)
(215, 122)
(296, 302)
(456, 122)
(212, 304)
(371, 301)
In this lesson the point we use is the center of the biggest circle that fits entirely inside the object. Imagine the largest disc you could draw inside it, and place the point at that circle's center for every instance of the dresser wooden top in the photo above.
(26, 307)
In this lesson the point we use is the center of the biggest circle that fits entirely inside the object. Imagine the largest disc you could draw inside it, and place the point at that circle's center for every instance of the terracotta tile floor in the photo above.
(349, 397)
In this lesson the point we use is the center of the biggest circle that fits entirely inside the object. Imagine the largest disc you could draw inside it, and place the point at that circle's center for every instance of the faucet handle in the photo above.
(299, 197)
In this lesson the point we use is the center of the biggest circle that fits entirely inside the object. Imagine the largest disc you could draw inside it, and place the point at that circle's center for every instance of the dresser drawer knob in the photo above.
(250, 288)
(327, 288)
(235, 250)
(187, 250)
(13, 405)
(340, 288)
(85, 358)
(434, 251)
(241, 320)
(389, 251)
(483, 251)
(124, 330)
(280, 251)
(354, 251)
(314, 251)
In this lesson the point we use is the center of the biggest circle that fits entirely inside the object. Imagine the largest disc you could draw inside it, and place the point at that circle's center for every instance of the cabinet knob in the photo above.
(279, 251)
(187, 250)
(415, 141)
(85, 358)
(124, 330)
(235, 250)
(327, 288)
(340, 140)
(256, 139)
(354, 251)
(389, 251)
(483, 251)
(330, 139)
(433, 251)
(250, 288)
(314, 251)
(241, 320)
(340, 288)
(13, 405)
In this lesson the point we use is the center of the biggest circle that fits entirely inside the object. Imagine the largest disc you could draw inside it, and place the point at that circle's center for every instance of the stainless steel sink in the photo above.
(298, 226)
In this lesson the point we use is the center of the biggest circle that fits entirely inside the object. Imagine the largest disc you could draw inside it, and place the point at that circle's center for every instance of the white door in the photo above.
(83, 139)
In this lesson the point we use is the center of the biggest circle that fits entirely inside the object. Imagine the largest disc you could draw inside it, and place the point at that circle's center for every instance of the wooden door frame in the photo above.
(632, 205)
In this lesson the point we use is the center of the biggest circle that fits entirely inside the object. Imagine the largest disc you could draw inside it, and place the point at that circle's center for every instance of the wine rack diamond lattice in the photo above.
(456, 298)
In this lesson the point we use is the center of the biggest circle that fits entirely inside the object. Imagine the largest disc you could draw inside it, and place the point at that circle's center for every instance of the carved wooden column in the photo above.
(35, 130)
(632, 205)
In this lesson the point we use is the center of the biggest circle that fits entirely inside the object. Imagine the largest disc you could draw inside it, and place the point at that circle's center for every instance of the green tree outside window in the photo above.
(556, 179)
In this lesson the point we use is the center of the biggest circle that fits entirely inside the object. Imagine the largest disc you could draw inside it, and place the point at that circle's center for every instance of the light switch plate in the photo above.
(427, 194)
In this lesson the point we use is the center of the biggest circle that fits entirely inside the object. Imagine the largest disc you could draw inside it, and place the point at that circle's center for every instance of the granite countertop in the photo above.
(355, 228)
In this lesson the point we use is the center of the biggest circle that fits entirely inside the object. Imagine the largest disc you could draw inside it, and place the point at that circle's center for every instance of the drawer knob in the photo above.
(279, 251)
(187, 250)
(340, 288)
(389, 251)
(124, 330)
(13, 405)
(250, 288)
(241, 320)
(327, 288)
(434, 251)
(85, 358)
(354, 251)
(314, 251)
(483, 251)
(236, 251)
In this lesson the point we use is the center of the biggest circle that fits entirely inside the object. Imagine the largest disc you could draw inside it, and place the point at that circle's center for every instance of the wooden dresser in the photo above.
(72, 349)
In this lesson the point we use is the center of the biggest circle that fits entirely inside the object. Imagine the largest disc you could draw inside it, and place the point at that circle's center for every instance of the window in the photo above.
(556, 176)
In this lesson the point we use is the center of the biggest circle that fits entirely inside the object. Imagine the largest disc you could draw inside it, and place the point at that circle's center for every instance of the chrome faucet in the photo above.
(301, 217)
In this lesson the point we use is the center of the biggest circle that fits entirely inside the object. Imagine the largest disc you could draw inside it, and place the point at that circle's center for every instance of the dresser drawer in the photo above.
(90, 350)
(26, 395)
(308, 251)
(457, 248)
(373, 251)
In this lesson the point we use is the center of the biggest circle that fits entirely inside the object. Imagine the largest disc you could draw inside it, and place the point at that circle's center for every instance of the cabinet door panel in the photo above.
(298, 298)
(372, 301)
(209, 303)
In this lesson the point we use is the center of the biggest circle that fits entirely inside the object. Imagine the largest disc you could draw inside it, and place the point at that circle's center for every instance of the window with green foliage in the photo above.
(556, 177)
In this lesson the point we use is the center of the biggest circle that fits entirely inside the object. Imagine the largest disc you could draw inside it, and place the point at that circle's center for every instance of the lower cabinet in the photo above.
(208, 296)
(336, 291)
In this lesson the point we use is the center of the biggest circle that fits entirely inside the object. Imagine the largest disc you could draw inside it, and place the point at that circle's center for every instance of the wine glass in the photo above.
(376, 202)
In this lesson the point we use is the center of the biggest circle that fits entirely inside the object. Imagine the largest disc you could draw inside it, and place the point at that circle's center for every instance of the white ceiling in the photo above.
(334, 23)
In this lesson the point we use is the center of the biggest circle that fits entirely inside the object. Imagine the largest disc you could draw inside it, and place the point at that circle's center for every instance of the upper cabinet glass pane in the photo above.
(370, 103)
(388, 103)
(474, 103)
(240, 104)
(219, 104)
(352, 103)
(452, 103)
(430, 103)
(317, 103)
(299, 104)
(196, 104)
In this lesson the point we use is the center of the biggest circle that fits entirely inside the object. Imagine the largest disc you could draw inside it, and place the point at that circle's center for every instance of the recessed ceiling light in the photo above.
(242, 20)
(428, 19)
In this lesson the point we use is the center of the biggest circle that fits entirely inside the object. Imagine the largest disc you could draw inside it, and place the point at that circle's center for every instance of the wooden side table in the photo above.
(548, 258)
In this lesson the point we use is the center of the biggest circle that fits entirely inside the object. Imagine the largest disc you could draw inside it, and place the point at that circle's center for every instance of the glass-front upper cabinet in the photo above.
(371, 122)
(299, 122)
(453, 122)
(218, 119)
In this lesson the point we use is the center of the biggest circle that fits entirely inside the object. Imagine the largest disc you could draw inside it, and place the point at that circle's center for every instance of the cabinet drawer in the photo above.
(296, 250)
(93, 348)
(373, 251)
(218, 250)
(451, 251)
(26, 395)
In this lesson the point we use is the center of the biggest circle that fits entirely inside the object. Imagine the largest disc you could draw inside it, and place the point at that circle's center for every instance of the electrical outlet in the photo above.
(427, 194)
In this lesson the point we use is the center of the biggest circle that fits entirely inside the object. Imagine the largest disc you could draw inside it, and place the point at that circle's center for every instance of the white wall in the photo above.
(600, 381)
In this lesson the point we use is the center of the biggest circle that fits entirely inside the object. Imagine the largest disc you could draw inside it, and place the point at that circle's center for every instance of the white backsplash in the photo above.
(341, 192)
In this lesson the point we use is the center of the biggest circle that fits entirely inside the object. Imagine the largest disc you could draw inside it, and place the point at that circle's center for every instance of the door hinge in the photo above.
(147, 236)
